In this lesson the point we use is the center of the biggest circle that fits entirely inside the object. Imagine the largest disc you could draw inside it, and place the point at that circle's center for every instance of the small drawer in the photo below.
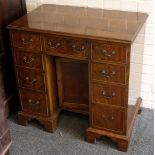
(31, 79)
(109, 118)
(111, 52)
(26, 40)
(108, 73)
(109, 94)
(66, 46)
(27, 59)
(33, 102)
(54, 44)
(77, 47)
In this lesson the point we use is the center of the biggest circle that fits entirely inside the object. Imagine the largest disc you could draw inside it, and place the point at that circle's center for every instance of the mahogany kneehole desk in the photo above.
(79, 62)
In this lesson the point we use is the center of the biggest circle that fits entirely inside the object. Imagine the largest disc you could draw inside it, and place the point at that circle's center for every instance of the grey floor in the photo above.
(69, 138)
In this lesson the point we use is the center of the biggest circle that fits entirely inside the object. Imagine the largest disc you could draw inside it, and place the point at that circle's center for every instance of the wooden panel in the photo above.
(51, 83)
(27, 59)
(31, 79)
(33, 102)
(26, 40)
(108, 73)
(109, 94)
(106, 117)
(66, 46)
(111, 52)
(72, 78)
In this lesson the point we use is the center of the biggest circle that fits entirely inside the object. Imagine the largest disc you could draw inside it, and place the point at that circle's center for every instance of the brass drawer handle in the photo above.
(104, 93)
(107, 74)
(28, 80)
(78, 48)
(106, 53)
(36, 103)
(26, 42)
(28, 61)
(111, 118)
(57, 45)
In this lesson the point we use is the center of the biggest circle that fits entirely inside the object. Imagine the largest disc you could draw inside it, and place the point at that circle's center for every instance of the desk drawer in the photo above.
(66, 46)
(111, 52)
(27, 59)
(110, 118)
(33, 102)
(109, 94)
(26, 40)
(108, 73)
(32, 79)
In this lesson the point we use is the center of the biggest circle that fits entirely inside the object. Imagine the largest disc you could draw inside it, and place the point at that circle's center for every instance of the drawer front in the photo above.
(109, 52)
(33, 102)
(105, 117)
(108, 73)
(109, 94)
(27, 59)
(66, 46)
(32, 79)
(26, 40)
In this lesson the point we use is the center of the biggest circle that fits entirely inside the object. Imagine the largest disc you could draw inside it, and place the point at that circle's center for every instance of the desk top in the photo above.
(82, 21)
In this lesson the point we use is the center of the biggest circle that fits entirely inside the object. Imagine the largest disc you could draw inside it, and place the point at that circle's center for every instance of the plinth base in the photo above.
(50, 123)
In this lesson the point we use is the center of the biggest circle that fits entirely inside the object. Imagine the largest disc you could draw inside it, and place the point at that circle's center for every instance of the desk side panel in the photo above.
(136, 67)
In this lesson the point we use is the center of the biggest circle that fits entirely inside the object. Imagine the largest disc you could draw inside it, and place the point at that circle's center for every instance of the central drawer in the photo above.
(33, 102)
(31, 79)
(59, 45)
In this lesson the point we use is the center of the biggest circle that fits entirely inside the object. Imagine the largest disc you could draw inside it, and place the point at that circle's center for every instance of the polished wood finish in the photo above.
(33, 102)
(110, 52)
(27, 41)
(29, 60)
(108, 118)
(83, 22)
(31, 79)
(72, 79)
(109, 94)
(109, 73)
(121, 140)
(86, 67)
(58, 45)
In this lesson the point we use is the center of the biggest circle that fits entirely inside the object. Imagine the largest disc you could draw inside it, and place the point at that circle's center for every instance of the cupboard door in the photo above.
(72, 80)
